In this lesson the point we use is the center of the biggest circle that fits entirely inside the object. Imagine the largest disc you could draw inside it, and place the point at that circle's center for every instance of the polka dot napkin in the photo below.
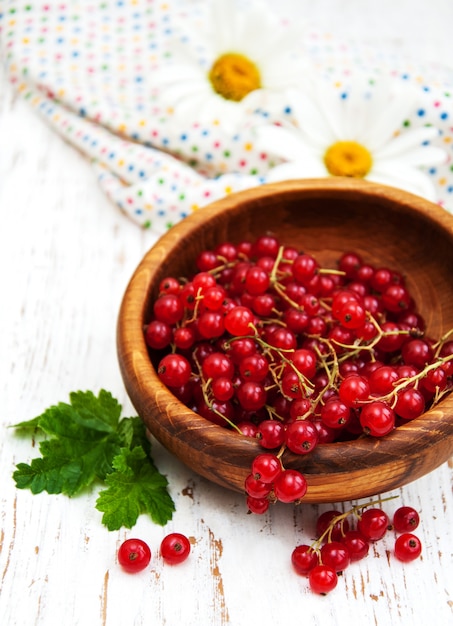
(90, 67)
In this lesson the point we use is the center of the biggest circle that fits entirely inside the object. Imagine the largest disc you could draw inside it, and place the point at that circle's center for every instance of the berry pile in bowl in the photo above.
(295, 341)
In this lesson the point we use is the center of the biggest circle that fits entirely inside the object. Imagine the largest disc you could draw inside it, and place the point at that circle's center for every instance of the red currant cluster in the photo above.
(345, 537)
(134, 555)
(264, 340)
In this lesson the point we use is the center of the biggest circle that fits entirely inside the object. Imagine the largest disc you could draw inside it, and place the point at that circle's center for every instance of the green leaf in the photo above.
(54, 475)
(28, 425)
(86, 440)
(134, 487)
(82, 443)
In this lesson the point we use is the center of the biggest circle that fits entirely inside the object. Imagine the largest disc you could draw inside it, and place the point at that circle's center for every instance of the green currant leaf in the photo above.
(85, 441)
(67, 466)
(54, 475)
(134, 487)
(132, 433)
(28, 425)
(84, 416)
(82, 442)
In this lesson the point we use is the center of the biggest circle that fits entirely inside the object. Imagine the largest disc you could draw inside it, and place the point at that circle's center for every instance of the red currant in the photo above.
(336, 554)
(408, 547)
(174, 370)
(377, 419)
(271, 434)
(238, 321)
(327, 520)
(290, 485)
(134, 555)
(405, 519)
(304, 559)
(301, 436)
(175, 548)
(322, 579)
(266, 467)
(373, 524)
(357, 544)
(259, 506)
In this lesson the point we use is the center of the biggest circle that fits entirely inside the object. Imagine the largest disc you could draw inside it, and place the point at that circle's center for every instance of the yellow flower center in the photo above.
(348, 158)
(233, 76)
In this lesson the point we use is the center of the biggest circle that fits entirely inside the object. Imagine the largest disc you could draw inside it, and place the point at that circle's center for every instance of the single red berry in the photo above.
(257, 280)
(254, 367)
(350, 263)
(328, 519)
(322, 579)
(256, 488)
(357, 544)
(158, 335)
(407, 548)
(304, 361)
(266, 467)
(301, 436)
(417, 352)
(335, 413)
(392, 338)
(383, 379)
(304, 559)
(304, 268)
(251, 395)
(373, 524)
(405, 519)
(217, 365)
(174, 370)
(184, 337)
(134, 555)
(214, 297)
(396, 298)
(271, 434)
(266, 245)
(336, 554)
(377, 419)
(222, 389)
(290, 485)
(210, 324)
(259, 506)
(169, 285)
(352, 315)
(410, 404)
(168, 308)
(353, 389)
(238, 321)
(175, 548)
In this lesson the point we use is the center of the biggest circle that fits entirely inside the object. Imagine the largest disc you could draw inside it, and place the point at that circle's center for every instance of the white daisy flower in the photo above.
(356, 133)
(242, 58)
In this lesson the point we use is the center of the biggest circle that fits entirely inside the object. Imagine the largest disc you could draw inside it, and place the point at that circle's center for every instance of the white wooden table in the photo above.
(66, 255)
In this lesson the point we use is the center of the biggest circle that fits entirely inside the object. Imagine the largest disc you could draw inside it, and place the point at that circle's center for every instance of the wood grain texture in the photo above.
(388, 228)
(66, 256)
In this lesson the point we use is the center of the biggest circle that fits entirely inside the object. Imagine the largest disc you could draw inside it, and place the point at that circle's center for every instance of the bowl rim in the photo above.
(142, 382)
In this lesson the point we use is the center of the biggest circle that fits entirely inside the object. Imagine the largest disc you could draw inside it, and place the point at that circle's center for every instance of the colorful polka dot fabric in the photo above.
(91, 70)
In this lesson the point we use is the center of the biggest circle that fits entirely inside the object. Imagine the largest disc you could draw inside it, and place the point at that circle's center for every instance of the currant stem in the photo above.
(342, 516)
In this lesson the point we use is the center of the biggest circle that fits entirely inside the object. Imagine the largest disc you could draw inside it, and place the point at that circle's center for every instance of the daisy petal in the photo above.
(411, 140)
(282, 142)
(295, 170)
(402, 176)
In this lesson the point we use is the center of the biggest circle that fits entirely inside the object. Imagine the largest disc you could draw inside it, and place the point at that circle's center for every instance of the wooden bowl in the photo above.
(325, 217)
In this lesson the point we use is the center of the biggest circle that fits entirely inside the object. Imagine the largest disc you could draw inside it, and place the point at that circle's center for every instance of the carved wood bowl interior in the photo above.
(325, 217)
